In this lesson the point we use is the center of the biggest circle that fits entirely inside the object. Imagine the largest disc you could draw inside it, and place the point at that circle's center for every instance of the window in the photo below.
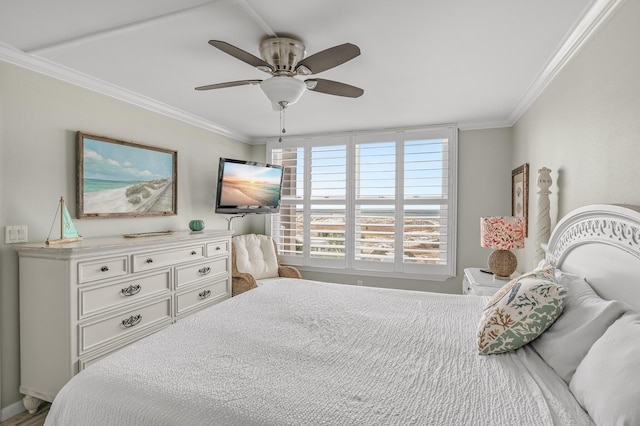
(369, 202)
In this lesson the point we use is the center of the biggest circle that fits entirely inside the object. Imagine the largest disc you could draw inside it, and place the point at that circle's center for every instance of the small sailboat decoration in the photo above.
(68, 231)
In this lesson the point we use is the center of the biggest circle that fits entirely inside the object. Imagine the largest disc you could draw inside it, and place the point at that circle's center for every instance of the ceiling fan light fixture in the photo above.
(282, 90)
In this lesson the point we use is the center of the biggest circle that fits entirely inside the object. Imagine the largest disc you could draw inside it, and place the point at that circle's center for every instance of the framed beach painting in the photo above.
(520, 194)
(124, 179)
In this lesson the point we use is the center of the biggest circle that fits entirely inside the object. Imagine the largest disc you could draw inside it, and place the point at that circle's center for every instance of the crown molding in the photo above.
(596, 15)
(483, 125)
(51, 69)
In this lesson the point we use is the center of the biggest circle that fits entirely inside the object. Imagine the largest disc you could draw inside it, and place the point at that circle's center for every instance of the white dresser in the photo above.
(81, 301)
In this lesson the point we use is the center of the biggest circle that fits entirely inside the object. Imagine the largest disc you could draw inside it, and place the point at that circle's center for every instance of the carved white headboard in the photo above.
(602, 244)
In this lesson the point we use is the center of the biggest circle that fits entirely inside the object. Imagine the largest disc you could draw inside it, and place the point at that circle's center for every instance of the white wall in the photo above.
(38, 120)
(586, 125)
(484, 189)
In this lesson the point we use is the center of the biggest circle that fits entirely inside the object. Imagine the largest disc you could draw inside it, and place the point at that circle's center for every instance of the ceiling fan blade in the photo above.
(328, 59)
(331, 87)
(238, 53)
(228, 84)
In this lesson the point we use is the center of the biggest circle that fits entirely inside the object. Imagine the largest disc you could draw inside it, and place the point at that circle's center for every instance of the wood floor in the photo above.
(26, 419)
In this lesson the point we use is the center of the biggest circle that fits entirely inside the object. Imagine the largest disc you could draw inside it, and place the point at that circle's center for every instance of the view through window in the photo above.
(369, 201)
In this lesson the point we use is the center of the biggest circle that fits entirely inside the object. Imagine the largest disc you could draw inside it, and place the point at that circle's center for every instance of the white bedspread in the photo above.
(294, 352)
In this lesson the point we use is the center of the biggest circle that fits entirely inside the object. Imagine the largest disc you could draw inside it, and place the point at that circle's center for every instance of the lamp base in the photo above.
(502, 263)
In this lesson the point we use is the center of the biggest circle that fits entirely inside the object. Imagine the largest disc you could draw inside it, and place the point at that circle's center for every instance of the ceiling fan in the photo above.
(284, 58)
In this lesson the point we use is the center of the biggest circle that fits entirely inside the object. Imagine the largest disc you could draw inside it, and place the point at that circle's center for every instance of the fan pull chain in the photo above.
(282, 118)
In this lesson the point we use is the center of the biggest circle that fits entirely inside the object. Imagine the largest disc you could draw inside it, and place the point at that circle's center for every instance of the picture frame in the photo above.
(124, 179)
(520, 194)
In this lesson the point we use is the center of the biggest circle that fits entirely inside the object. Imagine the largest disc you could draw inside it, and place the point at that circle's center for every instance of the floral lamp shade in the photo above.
(502, 233)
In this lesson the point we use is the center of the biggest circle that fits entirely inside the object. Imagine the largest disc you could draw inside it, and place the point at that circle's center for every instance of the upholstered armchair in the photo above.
(254, 257)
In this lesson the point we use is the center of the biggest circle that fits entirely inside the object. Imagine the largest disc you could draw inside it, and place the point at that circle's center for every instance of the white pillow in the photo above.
(607, 381)
(585, 318)
(256, 255)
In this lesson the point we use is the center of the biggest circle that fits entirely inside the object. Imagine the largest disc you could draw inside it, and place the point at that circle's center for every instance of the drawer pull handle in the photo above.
(204, 271)
(204, 294)
(218, 248)
(131, 321)
(149, 260)
(131, 290)
(104, 269)
(193, 253)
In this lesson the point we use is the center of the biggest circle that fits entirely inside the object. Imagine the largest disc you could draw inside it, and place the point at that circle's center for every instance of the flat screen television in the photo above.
(248, 187)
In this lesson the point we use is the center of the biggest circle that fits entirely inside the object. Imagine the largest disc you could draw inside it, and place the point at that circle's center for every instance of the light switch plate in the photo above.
(15, 234)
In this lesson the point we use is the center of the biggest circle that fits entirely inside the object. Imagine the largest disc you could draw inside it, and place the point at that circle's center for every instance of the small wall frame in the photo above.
(520, 194)
(124, 179)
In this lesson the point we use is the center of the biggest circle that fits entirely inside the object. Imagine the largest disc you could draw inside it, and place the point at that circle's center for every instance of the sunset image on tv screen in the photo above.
(248, 185)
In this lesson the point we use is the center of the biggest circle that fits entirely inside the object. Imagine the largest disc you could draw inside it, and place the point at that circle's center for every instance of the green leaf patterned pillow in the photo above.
(543, 272)
(523, 311)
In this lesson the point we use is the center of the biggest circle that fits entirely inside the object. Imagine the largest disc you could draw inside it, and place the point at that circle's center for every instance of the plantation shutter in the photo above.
(375, 203)
(369, 202)
(287, 226)
(328, 194)
(426, 224)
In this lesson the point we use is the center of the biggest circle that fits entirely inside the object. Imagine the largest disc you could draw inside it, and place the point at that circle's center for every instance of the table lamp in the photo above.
(502, 234)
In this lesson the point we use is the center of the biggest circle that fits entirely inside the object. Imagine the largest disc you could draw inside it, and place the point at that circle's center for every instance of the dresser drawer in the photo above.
(98, 298)
(102, 269)
(201, 296)
(217, 248)
(155, 259)
(480, 290)
(186, 275)
(108, 330)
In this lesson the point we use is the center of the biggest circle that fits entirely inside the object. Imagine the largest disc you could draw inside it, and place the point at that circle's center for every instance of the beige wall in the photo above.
(586, 125)
(484, 189)
(38, 120)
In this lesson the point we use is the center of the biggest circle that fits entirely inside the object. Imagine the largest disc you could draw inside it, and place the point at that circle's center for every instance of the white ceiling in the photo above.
(476, 63)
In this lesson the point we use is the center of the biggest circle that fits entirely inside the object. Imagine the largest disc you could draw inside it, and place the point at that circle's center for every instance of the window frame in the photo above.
(351, 266)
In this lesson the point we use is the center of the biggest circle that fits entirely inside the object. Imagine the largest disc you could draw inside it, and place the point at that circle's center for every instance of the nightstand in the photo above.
(480, 283)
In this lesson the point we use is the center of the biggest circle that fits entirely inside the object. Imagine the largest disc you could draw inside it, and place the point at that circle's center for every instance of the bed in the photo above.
(298, 352)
